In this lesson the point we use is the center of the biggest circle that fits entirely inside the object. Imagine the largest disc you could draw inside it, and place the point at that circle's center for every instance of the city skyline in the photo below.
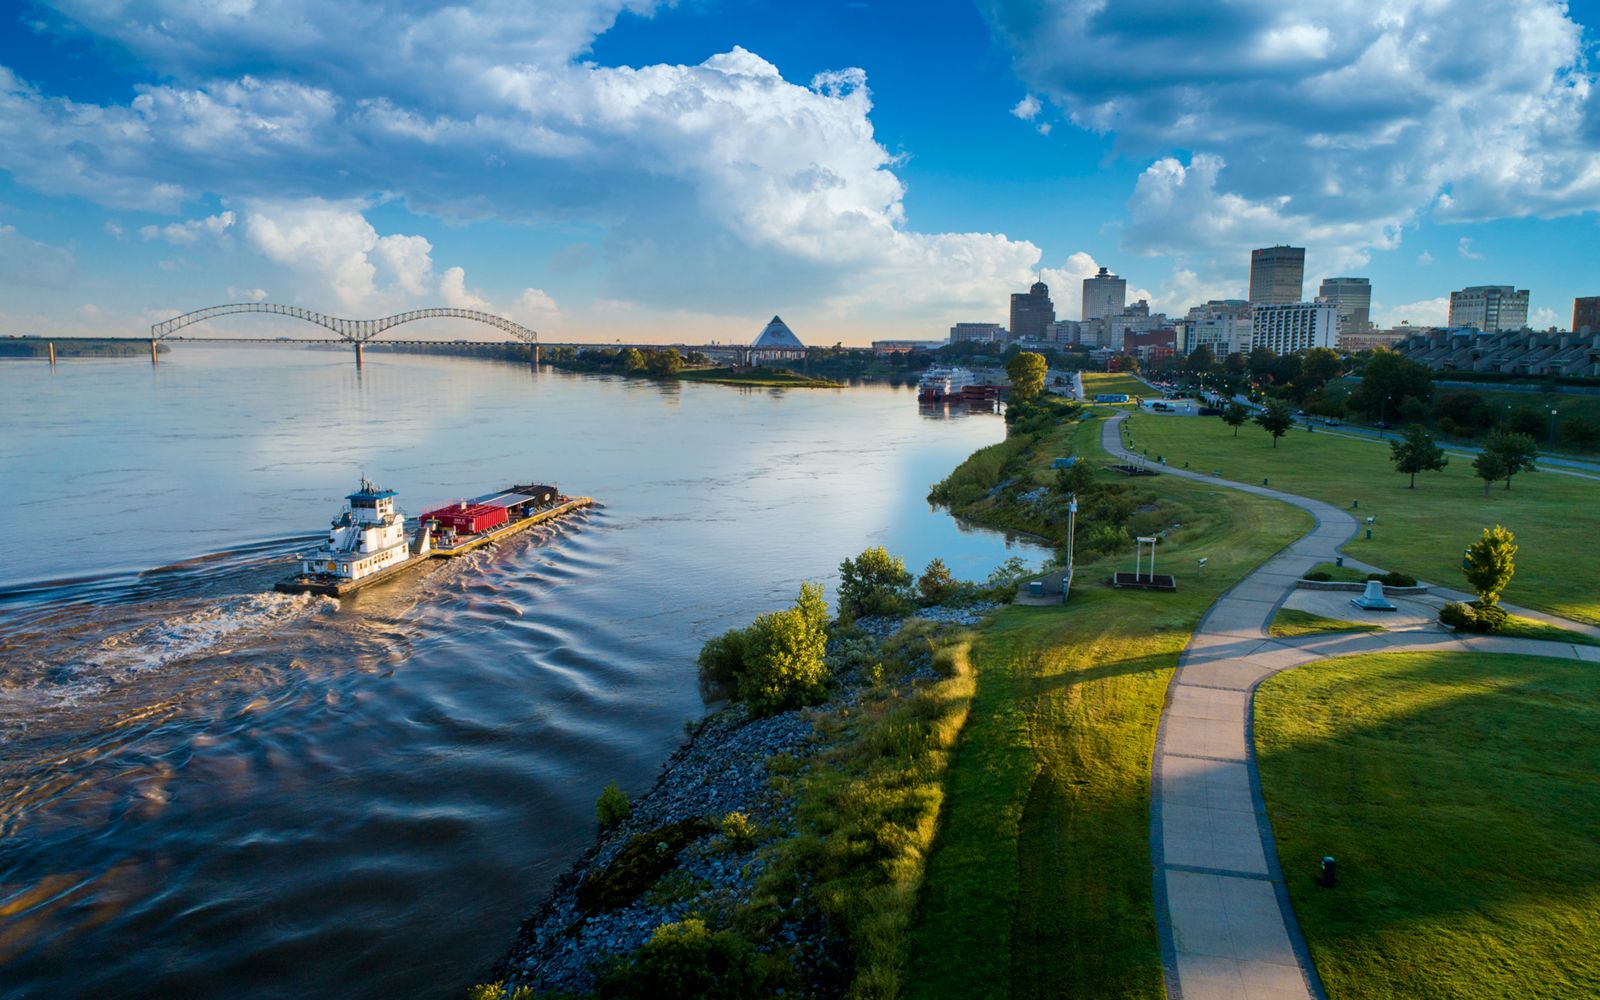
(644, 171)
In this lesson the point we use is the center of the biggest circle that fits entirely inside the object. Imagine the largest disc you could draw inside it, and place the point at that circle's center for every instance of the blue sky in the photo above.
(631, 169)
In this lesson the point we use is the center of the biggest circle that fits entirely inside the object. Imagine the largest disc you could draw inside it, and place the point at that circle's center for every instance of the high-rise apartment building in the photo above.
(1105, 294)
(1352, 302)
(1032, 312)
(1490, 308)
(1287, 327)
(1586, 314)
(1277, 275)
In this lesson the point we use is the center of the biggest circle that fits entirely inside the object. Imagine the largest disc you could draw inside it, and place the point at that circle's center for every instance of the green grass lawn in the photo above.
(1292, 621)
(1039, 881)
(1518, 627)
(1097, 382)
(1555, 516)
(1458, 793)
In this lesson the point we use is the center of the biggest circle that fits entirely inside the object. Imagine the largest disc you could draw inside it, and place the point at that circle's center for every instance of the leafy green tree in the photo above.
(1128, 363)
(1234, 364)
(1236, 415)
(666, 361)
(1513, 453)
(1026, 370)
(612, 807)
(1490, 467)
(1416, 453)
(688, 959)
(784, 664)
(1321, 366)
(1076, 478)
(633, 360)
(873, 583)
(936, 585)
(1260, 361)
(1200, 360)
(1276, 419)
(1489, 564)
(1387, 381)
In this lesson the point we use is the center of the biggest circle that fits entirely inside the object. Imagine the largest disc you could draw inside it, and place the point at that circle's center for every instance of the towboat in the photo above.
(367, 541)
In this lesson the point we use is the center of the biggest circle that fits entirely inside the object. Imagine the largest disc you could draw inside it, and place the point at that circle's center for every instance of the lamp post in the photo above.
(1552, 427)
(1383, 417)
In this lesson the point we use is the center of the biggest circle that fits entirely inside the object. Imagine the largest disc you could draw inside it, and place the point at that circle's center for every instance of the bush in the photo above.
(1318, 575)
(612, 807)
(874, 583)
(497, 991)
(1458, 616)
(1393, 579)
(1102, 539)
(645, 858)
(775, 664)
(687, 959)
(936, 585)
(737, 831)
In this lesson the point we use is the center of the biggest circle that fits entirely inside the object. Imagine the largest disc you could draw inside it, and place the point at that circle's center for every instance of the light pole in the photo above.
(1552, 427)
(1072, 536)
(1383, 417)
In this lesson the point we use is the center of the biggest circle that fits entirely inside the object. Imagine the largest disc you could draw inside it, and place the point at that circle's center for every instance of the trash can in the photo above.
(1035, 588)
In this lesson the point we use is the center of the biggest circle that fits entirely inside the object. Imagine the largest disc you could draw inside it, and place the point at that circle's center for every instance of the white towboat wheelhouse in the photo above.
(367, 537)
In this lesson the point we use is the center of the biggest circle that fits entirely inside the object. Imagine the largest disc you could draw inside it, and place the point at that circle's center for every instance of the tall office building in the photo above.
(1277, 275)
(1586, 314)
(1105, 294)
(982, 332)
(1032, 312)
(1287, 327)
(1490, 308)
(1352, 302)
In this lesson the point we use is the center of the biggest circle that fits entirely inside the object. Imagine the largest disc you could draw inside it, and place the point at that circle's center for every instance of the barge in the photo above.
(367, 542)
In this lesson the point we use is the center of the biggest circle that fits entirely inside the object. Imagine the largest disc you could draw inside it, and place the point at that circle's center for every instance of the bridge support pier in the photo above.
(535, 355)
(358, 354)
(52, 354)
(152, 350)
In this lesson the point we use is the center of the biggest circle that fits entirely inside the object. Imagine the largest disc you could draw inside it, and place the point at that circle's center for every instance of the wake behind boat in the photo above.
(367, 542)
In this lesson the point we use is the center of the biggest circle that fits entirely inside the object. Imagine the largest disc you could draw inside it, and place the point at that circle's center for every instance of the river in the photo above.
(208, 789)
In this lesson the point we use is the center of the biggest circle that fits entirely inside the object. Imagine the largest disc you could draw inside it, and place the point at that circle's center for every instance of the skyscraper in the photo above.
(1490, 308)
(1277, 275)
(1586, 314)
(1105, 294)
(1032, 312)
(1352, 302)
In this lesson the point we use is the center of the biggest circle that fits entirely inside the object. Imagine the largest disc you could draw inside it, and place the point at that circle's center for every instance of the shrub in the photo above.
(1489, 617)
(1393, 579)
(1318, 575)
(687, 959)
(775, 664)
(936, 585)
(737, 831)
(612, 807)
(1102, 539)
(722, 661)
(874, 583)
(1458, 616)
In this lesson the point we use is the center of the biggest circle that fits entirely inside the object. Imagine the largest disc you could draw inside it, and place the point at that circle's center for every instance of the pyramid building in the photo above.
(775, 342)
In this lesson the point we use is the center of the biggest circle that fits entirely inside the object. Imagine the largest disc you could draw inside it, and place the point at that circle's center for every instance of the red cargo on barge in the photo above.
(467, 517)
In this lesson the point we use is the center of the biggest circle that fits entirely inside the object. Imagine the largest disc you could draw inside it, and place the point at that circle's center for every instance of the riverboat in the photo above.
(940, 383)
(367, 542)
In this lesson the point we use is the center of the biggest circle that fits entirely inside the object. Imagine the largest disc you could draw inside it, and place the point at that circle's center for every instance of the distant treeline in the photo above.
(39, 347)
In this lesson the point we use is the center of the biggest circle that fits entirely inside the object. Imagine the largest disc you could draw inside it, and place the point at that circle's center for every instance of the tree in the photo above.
(873, 583)
(1387, 381)
(1075, 479)
(1276, 419)
(665, 361)
(936, 584)
(633, 360)
(1489, 563)
(1490, 467)
(1320, 367)
(1514, 453)
(1200, 360)
(784, 664)
(1260, 361)
(1234, 364)
(1235, 416)
(1416, 453)
(1128, 363)
(1026, 371)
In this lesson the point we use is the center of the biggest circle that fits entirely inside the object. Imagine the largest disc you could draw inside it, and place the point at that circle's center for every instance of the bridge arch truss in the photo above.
(355, 331)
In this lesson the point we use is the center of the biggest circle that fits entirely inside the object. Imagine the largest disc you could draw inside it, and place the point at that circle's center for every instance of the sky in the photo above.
(649, 171)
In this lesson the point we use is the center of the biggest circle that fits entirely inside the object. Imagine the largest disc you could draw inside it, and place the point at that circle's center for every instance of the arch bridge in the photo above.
(351, 331)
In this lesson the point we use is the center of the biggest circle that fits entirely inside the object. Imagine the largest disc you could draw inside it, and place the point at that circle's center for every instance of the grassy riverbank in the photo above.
(1421, 531)
(1114, 382)
(757, 377)
(109, 347)
(1458, 794)
(1039, 881)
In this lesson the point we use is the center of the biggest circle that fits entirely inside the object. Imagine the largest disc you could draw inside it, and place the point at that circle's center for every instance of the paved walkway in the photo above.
(1222, 911)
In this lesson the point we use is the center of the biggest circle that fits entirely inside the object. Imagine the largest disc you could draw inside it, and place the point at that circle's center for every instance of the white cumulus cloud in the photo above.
(190, 231)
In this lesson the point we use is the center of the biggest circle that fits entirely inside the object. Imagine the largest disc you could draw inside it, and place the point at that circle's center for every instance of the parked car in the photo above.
(1381, 425)
(1331, 422)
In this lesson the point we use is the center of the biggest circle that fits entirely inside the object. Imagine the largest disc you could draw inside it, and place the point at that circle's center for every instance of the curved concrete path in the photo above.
(1227, 930)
